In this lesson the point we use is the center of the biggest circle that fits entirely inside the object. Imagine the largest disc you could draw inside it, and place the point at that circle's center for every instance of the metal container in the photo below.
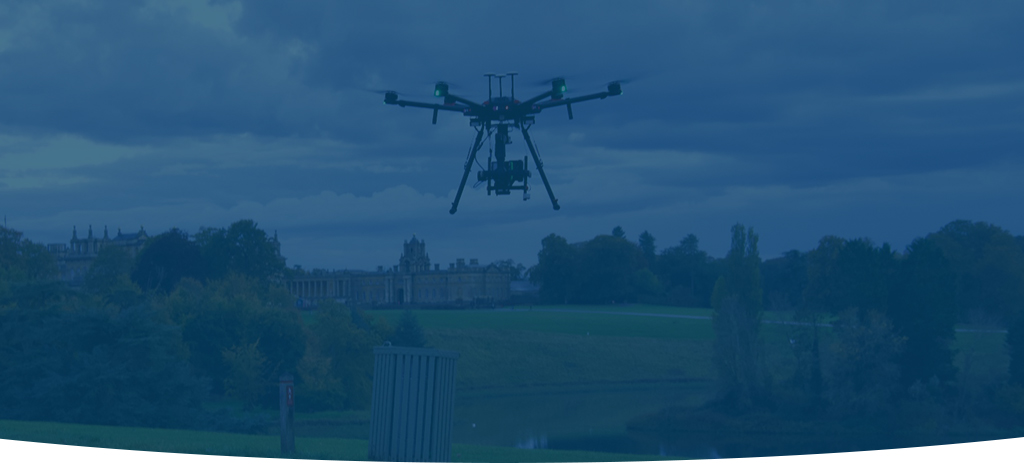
(411, 414)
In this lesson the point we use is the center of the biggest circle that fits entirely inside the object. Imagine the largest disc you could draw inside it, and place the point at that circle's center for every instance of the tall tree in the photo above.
(737, 302)
(608, 267)
(22, 260)
(165, 259)
(922, 308)
(556, 269)
(646, 243)
(785, 279)
(242, 248)
(988, 265)
(687, 274)
(843, 274)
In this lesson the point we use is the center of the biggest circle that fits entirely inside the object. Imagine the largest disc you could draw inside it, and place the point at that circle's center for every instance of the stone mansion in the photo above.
(412, 281)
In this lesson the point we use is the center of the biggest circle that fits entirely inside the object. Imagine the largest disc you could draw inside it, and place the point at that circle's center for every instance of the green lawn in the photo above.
(225, 444)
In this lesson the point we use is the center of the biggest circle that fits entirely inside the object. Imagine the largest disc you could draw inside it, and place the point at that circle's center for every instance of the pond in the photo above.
(594, 418)
(582, 417)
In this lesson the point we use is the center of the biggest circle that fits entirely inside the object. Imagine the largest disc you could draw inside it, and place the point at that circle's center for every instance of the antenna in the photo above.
(512, 76)
(489, 76)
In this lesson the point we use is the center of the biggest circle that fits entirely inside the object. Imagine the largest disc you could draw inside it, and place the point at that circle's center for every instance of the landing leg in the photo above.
(469, 166)
(540, 168)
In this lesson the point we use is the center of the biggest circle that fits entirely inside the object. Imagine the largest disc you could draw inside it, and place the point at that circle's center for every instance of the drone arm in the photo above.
(531, 102)
(409, 103)
(555, 103)
(464, 101)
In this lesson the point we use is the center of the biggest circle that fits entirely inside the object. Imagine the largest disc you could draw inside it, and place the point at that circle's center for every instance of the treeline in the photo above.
(889, 315)
(986, 263)
(160, 339)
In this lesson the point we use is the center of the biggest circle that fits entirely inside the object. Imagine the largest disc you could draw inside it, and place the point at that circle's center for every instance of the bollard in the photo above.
(411, 410)
(286, 391)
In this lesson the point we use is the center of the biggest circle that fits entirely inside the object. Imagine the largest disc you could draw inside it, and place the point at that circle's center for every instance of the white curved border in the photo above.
(995, 452)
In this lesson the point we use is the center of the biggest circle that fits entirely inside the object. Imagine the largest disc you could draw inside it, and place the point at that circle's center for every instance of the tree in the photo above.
(618, 232)
(24, 261)
(347, 349)
(242, 248)
(515, 270)
(743, 381)
(556, 269)
(97, 366)
(165, 259)
(922, 308)
(409, 332)
(109, 278)
(785, 279)
(646, 244)
(864, 374)
(988, 267)
(224, 317)
(607, 270)
(687, 274)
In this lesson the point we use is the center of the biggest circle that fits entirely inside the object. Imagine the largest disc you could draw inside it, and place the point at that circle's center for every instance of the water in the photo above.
(590, 418)
(595, 419)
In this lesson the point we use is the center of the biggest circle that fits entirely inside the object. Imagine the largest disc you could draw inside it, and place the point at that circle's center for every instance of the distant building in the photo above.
(411, 281)
(74, 259)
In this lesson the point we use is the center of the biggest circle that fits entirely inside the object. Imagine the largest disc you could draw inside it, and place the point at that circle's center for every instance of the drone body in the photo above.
(496, 116)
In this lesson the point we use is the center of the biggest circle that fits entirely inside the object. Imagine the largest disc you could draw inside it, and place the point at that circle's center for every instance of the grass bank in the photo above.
(266, 446)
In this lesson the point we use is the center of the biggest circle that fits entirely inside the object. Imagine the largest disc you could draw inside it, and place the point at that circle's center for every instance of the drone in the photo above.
(495, 116)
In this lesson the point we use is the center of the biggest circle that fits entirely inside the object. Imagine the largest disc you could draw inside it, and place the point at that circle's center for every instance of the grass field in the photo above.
(225, 444)
(557, 371)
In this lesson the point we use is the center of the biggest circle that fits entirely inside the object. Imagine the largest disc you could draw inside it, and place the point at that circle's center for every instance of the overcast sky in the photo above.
(884, 120)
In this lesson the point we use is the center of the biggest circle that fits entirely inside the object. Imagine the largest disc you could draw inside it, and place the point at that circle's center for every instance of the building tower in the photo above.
(414, 257)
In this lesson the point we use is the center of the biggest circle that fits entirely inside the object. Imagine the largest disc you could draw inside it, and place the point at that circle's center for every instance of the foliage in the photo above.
(22, 260)
(28, 272)
(1015, 344)
(227, 315)
(242, 248)
(109, 278)
(165, 259)
(988, 267)
(607, 265)
(741, 277)
(100, 366)
(742, 377)
(338, 343)
(648, 249)
(687, 273)
(785, 279)
(515, 270)
(922, 308)
(246, 371)
(843, 274)
(864, 374)
(556, 270)
(408, 332)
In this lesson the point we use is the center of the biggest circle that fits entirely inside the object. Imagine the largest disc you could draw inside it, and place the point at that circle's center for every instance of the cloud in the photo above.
(851, 118)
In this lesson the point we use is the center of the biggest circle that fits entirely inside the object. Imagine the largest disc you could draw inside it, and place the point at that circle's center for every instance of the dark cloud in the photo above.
(801, 119)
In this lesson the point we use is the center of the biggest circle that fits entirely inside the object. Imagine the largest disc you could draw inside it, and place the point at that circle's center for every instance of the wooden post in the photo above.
(287, 402)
